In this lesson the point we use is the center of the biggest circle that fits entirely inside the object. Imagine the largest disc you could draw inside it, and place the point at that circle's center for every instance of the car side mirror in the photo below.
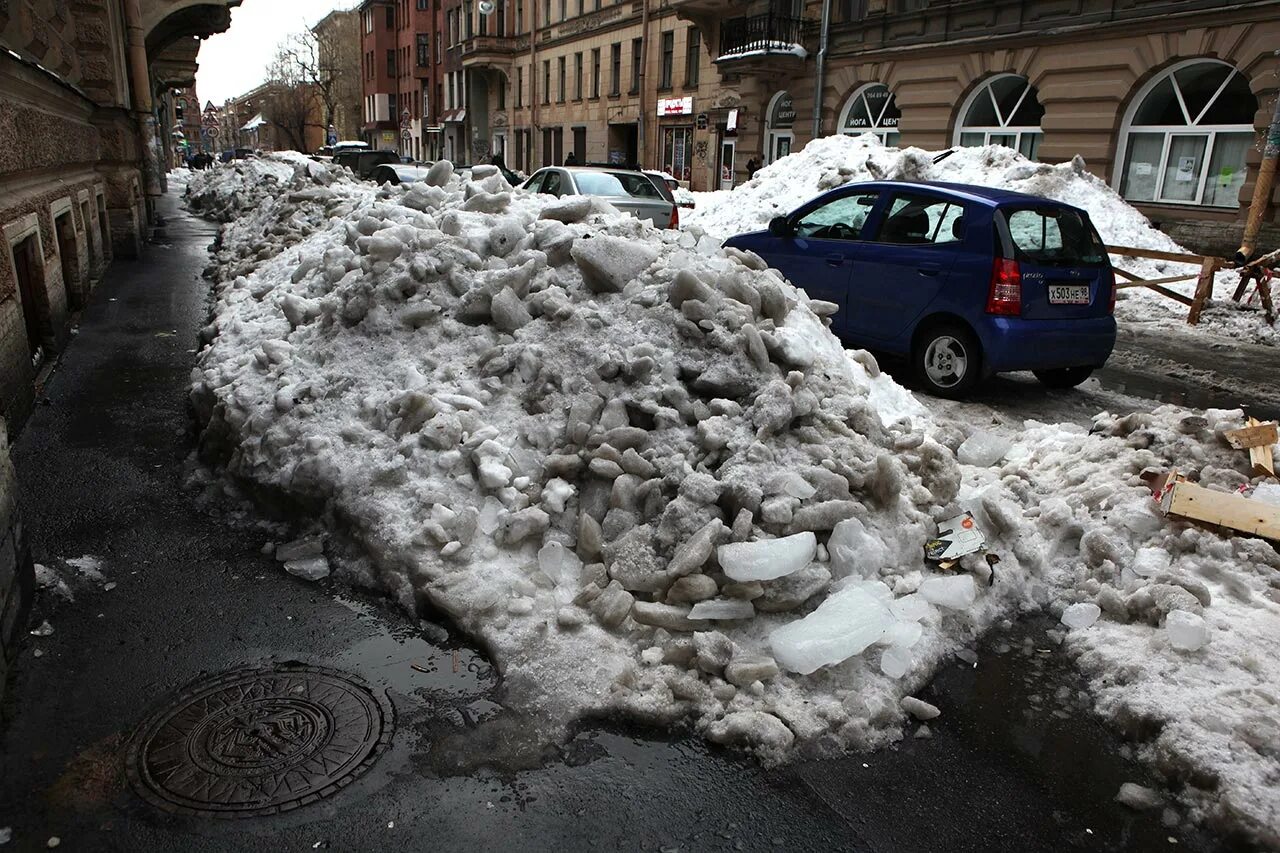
(780, 227)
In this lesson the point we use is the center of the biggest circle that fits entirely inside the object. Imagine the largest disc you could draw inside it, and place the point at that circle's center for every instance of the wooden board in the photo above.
(1260, 459)
(1254, 435)
(1158, 255)
(1204, 289)
(1195, 503)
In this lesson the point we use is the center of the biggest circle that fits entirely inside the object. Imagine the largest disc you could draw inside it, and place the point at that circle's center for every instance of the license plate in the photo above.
(1068, 294)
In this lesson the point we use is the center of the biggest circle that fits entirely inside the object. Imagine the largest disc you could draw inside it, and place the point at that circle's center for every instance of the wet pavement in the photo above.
(1009, 767)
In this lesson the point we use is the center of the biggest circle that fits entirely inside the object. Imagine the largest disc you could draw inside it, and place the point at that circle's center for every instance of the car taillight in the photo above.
(1005, 295)
(675, 217)
(1111, 306)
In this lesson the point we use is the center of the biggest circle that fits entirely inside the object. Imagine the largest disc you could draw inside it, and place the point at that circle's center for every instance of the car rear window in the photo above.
(599, 183)
(1053, 236)
(636, 185)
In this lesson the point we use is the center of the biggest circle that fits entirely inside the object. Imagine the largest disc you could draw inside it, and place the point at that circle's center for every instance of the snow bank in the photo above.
(1206, 714)
(834, 161)
(563, 426)
(642, 472)
(225, 190)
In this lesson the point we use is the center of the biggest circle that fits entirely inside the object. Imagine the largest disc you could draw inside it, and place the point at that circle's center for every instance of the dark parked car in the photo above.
(966, 281)
(364, 162)
(395, 173)
(628, 190)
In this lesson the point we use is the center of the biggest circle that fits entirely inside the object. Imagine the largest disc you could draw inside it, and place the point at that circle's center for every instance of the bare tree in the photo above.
(327, 59)
(293, 102)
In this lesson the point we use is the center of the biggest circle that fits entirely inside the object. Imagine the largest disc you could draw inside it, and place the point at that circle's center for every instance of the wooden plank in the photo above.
(1126, 274)
(1196, 503)
(1254, 435)
(1260, 459)
(1158, 255)
(1172, 294)
(1204, 290)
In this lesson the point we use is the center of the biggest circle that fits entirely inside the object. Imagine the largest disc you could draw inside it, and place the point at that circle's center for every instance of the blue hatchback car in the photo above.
(966, 281)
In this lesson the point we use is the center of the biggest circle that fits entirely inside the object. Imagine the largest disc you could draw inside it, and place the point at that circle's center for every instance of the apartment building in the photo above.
(1166, 101)
(398, 38)
(537, 80)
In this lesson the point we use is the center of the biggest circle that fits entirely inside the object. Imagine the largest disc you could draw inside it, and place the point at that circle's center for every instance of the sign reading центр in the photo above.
(675, 106)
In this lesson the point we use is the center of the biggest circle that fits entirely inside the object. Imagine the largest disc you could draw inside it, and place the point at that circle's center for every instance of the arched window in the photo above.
(1004, 110)
(872, 109)
(1196, 113)
(780, 120)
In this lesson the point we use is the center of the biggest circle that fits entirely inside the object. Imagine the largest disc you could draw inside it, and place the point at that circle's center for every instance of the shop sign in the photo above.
(784, 113)
(675, 106)
(731, 125)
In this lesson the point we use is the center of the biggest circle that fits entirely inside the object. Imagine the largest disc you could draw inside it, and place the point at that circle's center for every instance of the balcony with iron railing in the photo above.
(771, 35)
(479, 51)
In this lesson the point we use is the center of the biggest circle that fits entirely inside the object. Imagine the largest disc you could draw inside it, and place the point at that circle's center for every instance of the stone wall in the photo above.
(17, 574)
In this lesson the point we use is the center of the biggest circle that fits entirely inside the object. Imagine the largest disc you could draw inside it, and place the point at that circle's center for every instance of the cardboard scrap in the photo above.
(956, 537)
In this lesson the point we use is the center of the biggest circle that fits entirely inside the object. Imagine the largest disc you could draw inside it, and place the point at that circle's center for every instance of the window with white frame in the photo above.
(1186, 136)
(872, 109)
(1005, 110)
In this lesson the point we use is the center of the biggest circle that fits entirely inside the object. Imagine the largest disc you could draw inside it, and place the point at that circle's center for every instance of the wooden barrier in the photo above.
(1204, 278)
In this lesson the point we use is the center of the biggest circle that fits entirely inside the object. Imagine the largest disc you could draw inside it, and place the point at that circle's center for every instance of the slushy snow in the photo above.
(556, 445)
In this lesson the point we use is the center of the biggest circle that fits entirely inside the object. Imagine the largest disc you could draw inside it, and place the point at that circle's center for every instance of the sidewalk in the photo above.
(101, 471)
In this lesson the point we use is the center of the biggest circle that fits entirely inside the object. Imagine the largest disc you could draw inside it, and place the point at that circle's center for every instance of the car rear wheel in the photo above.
(1063, 377)
(948, 360)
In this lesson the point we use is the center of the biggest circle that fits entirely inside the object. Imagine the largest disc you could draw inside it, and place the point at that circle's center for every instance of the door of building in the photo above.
(725, 163)
(30, 283)
(69, 254)
(580, 144)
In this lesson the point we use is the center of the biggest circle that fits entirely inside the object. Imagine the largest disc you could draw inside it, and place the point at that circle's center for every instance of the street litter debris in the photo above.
(956, 537)
(1190, 502)
(44, 630)
(1257, 438)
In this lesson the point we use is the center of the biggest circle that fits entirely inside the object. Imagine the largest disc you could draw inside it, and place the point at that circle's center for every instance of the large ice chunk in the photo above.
(1081, 615)
(767, 559)
(723, 608)
(983, 449)
(1187, 631)
(854, 550)
(842, 626)
(956, 592)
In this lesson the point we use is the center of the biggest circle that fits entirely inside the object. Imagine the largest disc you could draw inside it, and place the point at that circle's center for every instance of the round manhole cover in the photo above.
(258, 742)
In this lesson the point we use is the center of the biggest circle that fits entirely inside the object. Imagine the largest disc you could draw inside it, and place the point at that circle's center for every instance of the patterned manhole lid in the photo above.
(257, 742)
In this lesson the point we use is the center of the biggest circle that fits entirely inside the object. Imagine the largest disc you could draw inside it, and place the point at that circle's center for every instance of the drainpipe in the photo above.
(140, 80)
(1261, 189)
(535, 135)
(820, 74)
(641, 134)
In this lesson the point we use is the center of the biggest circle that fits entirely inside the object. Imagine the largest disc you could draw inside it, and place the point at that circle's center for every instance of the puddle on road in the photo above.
(1190, 396)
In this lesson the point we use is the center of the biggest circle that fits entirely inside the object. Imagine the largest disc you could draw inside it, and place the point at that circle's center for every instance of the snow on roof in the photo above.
(254, 123)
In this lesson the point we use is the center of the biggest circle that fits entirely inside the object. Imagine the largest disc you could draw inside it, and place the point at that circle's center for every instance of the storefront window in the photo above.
(677, 152)
(1004, 110)
(872, 109)
(1187, 136)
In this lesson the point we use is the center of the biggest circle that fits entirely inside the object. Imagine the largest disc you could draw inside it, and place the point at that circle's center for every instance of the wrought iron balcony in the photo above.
(757, 35)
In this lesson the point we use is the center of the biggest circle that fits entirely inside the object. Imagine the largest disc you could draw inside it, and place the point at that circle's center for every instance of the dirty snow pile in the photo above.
(833, 161)
(645, 476)
(224, 190)
(1177, 627)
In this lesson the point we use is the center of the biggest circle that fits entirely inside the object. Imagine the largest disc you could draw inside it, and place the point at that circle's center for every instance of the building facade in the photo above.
(1166, 101)
(85, 134)
(399, 64)
(337, 40)
(536, 80)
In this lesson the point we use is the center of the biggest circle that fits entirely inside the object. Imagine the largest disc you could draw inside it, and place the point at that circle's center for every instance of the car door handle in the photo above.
(929, 269)
(835, 260)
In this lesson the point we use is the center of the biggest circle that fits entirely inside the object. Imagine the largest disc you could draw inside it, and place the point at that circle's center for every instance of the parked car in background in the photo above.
(628, 190)
(397, 173)
(350, 145)
(362, 163)
(966, 281)
(675, 193)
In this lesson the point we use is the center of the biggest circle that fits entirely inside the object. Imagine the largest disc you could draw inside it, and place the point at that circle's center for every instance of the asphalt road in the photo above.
(102, 465)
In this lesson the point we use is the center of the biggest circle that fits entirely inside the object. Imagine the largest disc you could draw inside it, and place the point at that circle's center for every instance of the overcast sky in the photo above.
(233, 62)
